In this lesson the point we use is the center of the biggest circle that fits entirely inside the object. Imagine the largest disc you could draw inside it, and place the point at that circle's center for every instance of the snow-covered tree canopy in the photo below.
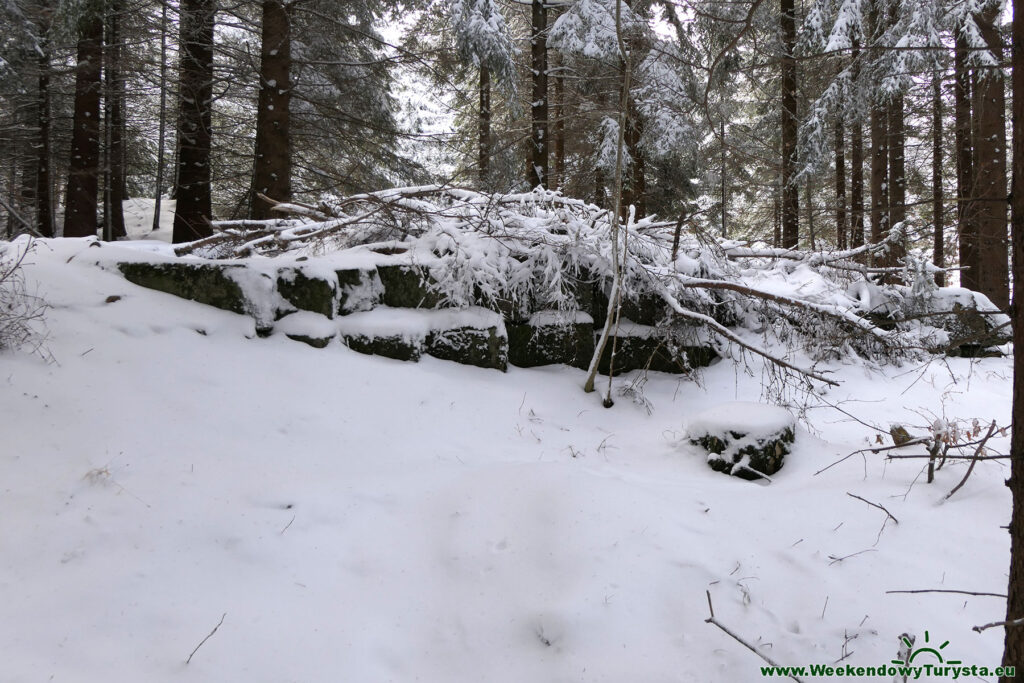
(482, 37)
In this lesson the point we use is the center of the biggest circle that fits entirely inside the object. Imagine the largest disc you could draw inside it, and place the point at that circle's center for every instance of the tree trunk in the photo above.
(897, 183)
(635, 186)
(966, 228)
(939, 235)
(1013, 652)
(44, 184)
(83, 171)
(856, 170)
(879, 176)
(790, 192)
(192, 187)
(114, 172)
(725, 196)
(272, 172)
(537, 173)
(483, 163)
(559, 180)
(158, 191)
(841, 241)
(989, 104)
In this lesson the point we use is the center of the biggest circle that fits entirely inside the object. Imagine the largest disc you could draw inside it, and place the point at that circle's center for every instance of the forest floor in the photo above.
(341, 517)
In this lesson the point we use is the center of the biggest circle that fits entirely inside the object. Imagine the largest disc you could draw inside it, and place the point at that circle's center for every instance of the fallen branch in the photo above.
(880, 449)
(944, 590)
(208, 636)
(974, 460)
(741, 641)
(874, 505)
(1011, 622)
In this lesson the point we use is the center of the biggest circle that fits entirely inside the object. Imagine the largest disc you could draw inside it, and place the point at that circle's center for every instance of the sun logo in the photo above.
(923, 649)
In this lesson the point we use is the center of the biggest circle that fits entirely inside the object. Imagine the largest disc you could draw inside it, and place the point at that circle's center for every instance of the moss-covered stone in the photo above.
(315, 342)
(359, 289)
(531, 345)
(208, 284)
(484, 348)
(970, 332)
(398, 347)
(765, 455)
(407, 287)
(654, 353)
(306, 293)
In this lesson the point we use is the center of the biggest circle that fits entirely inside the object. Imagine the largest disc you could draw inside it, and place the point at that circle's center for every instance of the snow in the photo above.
(357, 519)
(406, 322)
(753, 419)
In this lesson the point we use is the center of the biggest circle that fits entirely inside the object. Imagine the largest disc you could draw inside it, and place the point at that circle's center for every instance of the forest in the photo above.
(309, 288)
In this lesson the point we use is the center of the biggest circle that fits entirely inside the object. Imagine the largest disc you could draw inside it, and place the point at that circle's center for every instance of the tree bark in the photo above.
(897, 182)
(790, 192)
(158, 190)
(966, 228)
(192, 186)
(483, 162)
(114, 171)
(559, 179)
(1013, 652)
(840, 185)
(635, 186)
(83, 172)
(44, 182)
(537, 171)
(856, 170)
(879, 176)
(939, 232)
(989, 105)
(272, 172)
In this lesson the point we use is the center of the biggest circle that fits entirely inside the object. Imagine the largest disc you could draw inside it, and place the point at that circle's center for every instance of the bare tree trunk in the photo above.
(856, 171)
(483, 162)
(192, 189)
(559, 180)
(537, 173)
(966, 228)
(840, 185)
(1013, 652)
(158, 191)
(989, 104)
(83, 172)
(790, 192)
(879, 175)
(776, 222)
(897, 184)
(114, 172)
(939, 236)
(272, 172)
(810, 214)
(44, 192)
(725, 196)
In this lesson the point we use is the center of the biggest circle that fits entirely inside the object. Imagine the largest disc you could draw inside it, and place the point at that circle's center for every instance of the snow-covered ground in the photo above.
(354, 518)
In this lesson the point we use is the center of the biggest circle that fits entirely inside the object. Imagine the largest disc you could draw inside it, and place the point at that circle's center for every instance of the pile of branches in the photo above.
(535, 247)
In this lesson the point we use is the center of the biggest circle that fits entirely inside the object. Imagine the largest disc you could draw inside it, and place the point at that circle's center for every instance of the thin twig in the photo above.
(974, 460)
(1011, 622)
(741, 641)
(207, 637)
(874, 505)
(944, 590)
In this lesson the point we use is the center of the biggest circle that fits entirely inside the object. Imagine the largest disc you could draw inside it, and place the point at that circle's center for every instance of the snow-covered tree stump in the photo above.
(747, 440)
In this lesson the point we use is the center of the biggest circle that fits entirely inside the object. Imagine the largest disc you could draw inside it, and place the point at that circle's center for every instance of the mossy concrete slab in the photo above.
(359, 289)
(484, 348)
(407, 286)
(533, 344)
(209, 284)
(398, 347)
(305, 292)
(654, 353)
